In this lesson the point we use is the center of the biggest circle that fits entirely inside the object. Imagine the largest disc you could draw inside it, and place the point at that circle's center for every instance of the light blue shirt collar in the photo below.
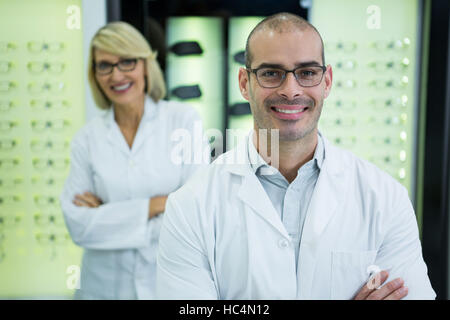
(256, 161)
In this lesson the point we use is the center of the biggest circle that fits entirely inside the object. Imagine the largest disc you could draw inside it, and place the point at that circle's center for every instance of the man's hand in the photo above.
(87, 199)
(393, 290)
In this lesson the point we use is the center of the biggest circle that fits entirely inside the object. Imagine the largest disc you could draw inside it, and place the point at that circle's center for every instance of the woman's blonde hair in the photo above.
(122, 39)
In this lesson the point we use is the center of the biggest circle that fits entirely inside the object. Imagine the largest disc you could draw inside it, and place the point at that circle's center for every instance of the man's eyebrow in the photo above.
(308, 64)
(297, 65)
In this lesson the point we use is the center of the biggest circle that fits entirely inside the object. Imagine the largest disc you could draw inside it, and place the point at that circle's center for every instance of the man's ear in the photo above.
(328, 80)
(244, 83)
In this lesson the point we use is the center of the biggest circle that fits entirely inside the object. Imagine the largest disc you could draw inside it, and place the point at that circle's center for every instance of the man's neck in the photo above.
(292, 155)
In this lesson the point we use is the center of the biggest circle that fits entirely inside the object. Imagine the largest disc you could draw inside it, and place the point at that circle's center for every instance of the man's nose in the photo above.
(290, 88)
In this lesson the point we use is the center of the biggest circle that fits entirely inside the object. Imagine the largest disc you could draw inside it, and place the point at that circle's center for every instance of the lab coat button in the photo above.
(283, 243)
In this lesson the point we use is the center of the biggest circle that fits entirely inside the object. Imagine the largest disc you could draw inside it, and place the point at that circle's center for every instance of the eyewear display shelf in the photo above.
(373, 106)
(239, 114)
(194, 68)
(41, 107)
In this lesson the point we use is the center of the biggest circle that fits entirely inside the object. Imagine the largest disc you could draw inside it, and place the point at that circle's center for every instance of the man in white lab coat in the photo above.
(309, 222)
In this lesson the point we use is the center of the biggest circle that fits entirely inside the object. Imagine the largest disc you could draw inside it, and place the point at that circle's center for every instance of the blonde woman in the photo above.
(123, 167)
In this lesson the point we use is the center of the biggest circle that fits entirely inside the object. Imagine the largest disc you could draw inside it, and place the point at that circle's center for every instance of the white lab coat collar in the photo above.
(116, 137)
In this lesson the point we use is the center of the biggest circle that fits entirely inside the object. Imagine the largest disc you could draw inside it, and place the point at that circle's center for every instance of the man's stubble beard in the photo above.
(264, 120)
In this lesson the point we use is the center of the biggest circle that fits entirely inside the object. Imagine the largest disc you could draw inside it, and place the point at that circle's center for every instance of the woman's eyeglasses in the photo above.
(125, 65)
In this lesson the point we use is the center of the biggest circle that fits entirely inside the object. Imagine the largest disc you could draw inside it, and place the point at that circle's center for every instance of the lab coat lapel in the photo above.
(251, 192)
(328, 193)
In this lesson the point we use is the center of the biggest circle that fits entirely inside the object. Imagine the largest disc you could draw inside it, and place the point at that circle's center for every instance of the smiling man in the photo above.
(317, 226)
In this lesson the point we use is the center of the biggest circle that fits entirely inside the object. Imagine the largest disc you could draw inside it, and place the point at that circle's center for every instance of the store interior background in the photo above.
(390, 104)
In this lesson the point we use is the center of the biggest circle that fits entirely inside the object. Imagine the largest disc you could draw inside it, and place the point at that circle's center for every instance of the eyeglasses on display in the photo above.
(6, 105)
(46, 201)
(38, 67)
(389, 103)
(9, 163)
(7, 86)
(240, 109)
(125, 65)
(7, 126)
(48, 219)
(39, 181)
(187, 92)
(56, 164)
(338, 122)
(51, 238)
(384, 84)
(273, 77)
(54, 125)
(6, 47)
(397, 45)
(41, 104)
(389, 120)
(6, 200)
(185, 48)
(40, 87)
(49, 145)
(391, 159)
(347, 105)
(239, 57)
(39, 46)
(387, 141)
(5, 66)
(346, 65)
(344, 141)
(390, 65)
(9, 221)
(340, 46)
(10, 182)
(8, 144)
(346, 84)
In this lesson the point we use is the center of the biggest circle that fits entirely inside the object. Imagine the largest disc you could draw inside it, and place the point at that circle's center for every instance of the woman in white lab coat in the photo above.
(123, 167)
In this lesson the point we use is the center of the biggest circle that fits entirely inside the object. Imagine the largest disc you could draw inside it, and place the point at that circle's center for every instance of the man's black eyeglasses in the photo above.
(269, 77)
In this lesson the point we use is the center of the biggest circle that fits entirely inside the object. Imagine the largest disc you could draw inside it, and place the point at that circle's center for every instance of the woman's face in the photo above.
(121, 87)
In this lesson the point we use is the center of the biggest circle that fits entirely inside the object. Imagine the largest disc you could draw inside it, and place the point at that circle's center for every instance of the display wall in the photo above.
(239, 114)
(42, 105)
(373, 109)
(195, 67)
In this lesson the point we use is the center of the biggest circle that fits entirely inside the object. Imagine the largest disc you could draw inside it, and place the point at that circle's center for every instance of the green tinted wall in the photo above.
(41, 107)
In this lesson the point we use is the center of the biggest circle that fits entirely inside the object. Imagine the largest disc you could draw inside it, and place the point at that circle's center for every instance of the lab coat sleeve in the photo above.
(183, 269)
(401, 251)
(116, 225)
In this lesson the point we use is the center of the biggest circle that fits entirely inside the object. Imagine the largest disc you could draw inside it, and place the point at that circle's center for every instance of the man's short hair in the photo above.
(280, 22)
